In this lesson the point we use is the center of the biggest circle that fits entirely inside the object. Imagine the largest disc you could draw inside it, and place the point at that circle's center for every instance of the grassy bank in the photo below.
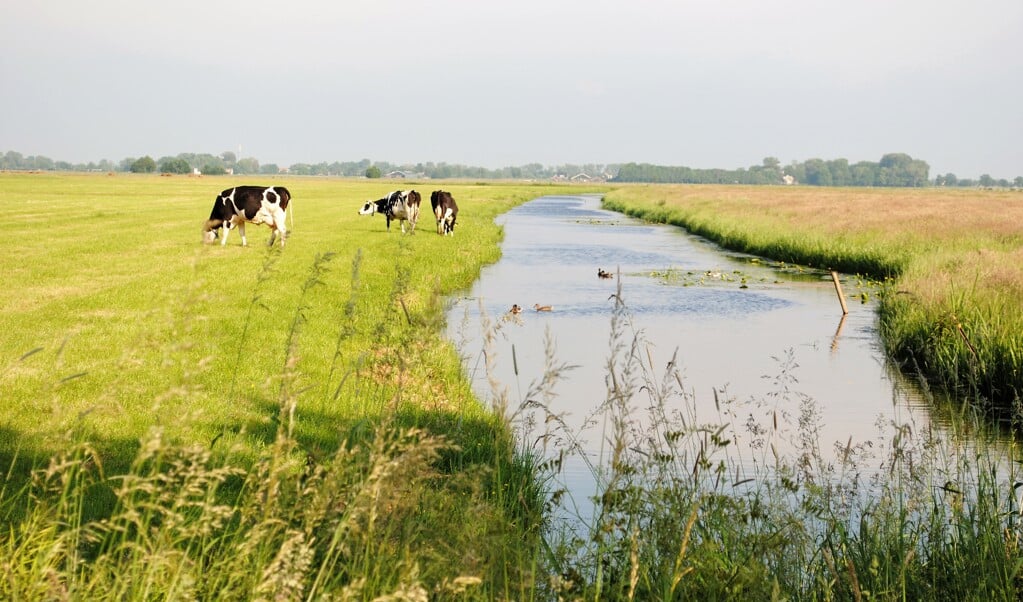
(953, 309)
(275, 419)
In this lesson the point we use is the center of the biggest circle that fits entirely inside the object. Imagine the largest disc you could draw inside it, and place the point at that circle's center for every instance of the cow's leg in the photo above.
(402, 226)
(241, 232)
(277, 225)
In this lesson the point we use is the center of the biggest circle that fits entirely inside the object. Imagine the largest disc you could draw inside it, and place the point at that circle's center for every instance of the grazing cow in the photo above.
(445, 210)
(402, 205)
(241, 204)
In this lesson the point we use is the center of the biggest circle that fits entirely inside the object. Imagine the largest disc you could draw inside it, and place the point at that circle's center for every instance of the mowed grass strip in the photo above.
(954, 309)
(115, 318)
(202, 421)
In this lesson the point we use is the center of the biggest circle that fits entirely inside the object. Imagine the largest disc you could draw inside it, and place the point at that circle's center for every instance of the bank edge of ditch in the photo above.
(949, 344)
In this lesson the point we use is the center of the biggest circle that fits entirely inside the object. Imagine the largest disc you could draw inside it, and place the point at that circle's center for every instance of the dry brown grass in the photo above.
(940, 215)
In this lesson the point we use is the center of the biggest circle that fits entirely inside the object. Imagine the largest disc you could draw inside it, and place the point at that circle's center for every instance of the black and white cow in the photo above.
(241, 204)
(402, 205)
(445, 210)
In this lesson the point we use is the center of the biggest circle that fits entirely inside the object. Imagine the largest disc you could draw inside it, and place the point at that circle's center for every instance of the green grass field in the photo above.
(115, 318)
(120, 329)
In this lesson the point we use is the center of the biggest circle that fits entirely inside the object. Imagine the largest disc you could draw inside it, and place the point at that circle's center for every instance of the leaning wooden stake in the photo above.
(838, 289)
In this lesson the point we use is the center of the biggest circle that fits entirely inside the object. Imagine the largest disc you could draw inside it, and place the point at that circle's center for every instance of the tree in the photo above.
(11, 160)
(817, 172)
(143, 165)
(246, 165)
(213, 170)
(178, 166)
(840, 174)
(864, 173)
(899, 169)
(1018, 182)
(372, 171)
(41, 163)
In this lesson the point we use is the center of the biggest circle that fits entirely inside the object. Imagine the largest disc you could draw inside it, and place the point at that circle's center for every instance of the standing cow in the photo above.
(402, 205)
(445, 210)
(241, 204)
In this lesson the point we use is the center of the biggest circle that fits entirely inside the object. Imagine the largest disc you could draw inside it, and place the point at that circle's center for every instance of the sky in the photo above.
(703, 84)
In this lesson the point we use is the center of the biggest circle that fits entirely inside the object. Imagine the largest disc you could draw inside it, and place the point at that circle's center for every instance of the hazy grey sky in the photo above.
(719, 83)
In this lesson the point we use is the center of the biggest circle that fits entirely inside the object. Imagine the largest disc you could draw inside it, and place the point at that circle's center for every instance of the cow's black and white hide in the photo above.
(445, 210)
(402, 205)
(248, 204)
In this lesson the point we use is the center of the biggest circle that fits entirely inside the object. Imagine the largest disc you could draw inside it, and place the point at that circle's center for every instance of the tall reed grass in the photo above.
(753, 505)
(378, 514)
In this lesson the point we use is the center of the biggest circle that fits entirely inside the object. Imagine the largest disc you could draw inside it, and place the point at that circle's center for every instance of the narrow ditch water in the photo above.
(745, 330)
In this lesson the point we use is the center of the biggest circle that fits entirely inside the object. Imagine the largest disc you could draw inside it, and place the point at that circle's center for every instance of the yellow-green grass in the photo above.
(124, 340)
(954, 309)
(115, 318)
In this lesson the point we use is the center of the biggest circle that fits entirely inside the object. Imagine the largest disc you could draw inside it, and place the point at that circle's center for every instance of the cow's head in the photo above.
(369, 208)
(210, 230)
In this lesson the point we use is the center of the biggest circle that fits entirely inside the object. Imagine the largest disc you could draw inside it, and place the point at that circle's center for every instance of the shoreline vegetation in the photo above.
(951, 307)
(224, 423)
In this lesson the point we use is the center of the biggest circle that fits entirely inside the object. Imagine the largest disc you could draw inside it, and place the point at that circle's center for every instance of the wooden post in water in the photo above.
(838, 289)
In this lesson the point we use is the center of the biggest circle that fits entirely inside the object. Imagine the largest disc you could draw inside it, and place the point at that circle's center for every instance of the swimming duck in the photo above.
(602, 274)
(515, 309)
(539, 307)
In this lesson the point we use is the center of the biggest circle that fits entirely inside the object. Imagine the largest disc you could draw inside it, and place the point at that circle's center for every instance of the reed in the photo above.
(752, 504)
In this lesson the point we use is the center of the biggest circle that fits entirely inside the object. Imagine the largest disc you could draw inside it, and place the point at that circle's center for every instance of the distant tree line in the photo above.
(894, 169)
(531, 171)
(220, 164)
(181, 164)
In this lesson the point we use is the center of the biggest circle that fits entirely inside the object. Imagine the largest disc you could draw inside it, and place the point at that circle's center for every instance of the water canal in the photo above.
(762, 338)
